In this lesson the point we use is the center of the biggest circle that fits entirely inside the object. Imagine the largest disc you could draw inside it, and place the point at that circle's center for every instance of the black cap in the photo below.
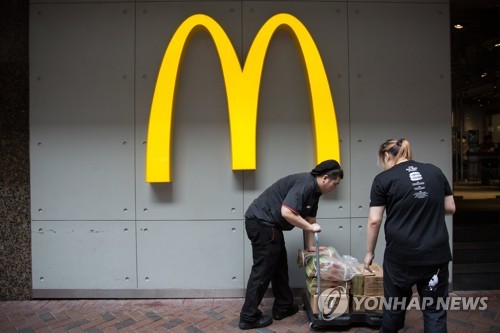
(326, 167)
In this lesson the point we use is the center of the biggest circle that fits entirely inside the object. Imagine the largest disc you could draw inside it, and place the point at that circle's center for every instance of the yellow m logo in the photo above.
(242, 89)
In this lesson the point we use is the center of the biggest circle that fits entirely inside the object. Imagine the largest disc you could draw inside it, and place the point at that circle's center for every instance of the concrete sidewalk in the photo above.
(202, 315)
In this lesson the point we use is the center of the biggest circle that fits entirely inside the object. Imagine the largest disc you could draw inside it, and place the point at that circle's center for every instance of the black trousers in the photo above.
(398, 283)
(270, 265)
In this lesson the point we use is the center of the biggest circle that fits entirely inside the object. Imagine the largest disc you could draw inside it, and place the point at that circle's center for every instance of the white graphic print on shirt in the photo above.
(417, 182)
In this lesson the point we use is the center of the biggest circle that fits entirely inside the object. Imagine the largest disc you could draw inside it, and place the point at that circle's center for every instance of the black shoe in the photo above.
(278, 315)
(263, 321)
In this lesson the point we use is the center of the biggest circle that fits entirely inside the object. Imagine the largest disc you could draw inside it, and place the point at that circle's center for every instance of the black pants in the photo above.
(269, 265)
(398, 282)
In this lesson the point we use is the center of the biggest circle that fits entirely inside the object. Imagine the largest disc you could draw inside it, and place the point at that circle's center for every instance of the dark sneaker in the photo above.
(278, 315)
(263, 321)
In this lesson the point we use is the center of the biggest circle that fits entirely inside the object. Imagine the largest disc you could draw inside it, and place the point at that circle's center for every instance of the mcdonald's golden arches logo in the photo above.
(242, 89)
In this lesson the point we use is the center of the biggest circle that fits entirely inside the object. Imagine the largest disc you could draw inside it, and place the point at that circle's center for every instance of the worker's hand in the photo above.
(321, 248)
(315, 227)
(368, 261)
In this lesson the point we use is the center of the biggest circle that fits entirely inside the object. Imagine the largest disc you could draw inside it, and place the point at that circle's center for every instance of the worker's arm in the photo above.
(309, 237)
(298, 221)
(372, 229)
(449, 205)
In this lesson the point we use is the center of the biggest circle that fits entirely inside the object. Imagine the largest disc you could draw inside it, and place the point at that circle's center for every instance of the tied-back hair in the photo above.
(331, 168)
(399, 149)
(335, 173)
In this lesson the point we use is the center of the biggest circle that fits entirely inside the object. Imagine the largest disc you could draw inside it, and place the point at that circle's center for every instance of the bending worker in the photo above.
(290, 202)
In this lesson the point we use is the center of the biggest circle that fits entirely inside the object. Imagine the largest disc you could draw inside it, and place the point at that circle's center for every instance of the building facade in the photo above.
(99, 229)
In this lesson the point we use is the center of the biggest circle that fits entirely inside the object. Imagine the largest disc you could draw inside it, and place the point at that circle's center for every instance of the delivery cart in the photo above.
(327, 318)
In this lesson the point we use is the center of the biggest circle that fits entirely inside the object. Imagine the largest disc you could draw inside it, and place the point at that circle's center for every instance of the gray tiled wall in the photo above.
(99, 225)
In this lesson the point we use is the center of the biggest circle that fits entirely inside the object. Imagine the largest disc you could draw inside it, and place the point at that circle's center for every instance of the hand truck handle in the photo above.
(318, 275)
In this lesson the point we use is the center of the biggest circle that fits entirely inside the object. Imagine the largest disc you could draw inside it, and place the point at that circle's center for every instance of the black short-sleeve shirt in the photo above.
(415, 229)
(299, 192)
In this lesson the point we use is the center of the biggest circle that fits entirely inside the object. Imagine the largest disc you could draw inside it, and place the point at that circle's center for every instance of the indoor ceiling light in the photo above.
(458, 26)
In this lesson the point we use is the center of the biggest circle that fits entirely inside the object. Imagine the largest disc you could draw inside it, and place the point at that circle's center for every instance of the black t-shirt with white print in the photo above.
(415, 229)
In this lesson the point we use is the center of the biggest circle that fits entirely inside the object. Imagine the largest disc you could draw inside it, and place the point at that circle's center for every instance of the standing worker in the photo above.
(416, 196)
(290, 202)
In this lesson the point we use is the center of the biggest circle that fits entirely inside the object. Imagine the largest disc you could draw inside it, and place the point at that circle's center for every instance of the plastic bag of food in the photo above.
(333, 266)
(305, 256)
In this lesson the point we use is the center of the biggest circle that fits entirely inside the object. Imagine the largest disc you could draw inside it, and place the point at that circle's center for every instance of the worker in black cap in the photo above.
(290, 202)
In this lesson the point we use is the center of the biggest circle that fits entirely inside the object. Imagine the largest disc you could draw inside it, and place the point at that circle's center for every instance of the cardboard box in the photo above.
(312, 285)
(328, 307)
(369, 283)
(367, 304)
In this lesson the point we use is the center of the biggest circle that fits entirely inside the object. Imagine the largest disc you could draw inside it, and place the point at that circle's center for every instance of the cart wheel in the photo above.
(313, 326)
